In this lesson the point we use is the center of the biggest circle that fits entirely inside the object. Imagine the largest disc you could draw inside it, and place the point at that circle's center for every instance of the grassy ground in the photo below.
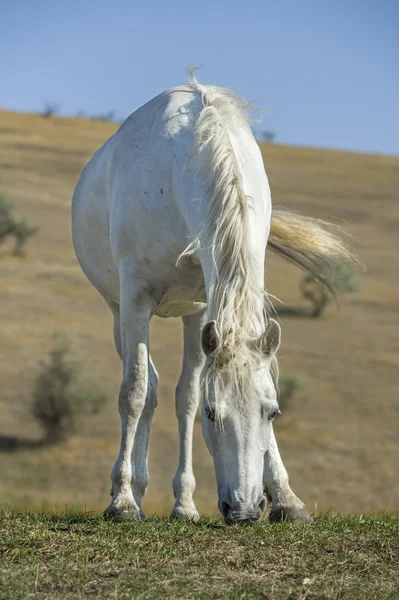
(81, 556)
(339, 438)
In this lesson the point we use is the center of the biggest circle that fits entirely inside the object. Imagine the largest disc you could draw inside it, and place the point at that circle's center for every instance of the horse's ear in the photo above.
(210, 338)
(270, 340)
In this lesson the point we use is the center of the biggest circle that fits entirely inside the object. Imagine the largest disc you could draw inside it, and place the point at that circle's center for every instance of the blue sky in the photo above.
(326, 72)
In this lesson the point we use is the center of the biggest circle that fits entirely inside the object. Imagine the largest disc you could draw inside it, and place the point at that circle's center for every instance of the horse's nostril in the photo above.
(243, 513)
(262, 505)
(225, 508)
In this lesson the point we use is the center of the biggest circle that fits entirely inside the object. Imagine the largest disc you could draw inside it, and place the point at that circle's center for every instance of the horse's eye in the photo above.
(273, 414)
(210, 413)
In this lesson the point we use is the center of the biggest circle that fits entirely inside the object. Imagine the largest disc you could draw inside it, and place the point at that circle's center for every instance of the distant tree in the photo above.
(9, 226)
(342, 278)
(49, 110)
(268, 136)
(60, 399)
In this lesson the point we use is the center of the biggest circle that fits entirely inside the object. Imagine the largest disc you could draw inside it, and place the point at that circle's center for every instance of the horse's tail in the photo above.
(310, 244)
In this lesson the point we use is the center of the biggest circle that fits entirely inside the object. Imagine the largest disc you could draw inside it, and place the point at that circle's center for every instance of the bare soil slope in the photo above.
(339, 439)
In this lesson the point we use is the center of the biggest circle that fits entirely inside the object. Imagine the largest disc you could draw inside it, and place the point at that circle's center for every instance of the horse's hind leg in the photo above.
(135, 311)
(187, 399)
(140, 449)
(286, 506)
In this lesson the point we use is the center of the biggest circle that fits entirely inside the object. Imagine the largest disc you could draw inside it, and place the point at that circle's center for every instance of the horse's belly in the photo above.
(182, 299)
(179, 309)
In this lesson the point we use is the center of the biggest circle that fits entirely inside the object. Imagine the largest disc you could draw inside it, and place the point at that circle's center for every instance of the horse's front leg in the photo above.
(135, 311)
(188, 393)
(286, 506)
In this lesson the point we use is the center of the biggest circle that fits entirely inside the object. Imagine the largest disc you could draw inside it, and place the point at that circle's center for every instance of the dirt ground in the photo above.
(339, 438)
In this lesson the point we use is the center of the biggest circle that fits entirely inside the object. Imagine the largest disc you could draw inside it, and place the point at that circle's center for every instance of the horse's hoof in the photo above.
(185, 514)
(123, 512)
(297, 514)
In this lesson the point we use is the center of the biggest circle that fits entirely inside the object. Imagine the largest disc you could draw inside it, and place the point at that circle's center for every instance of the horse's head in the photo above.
(236, 424)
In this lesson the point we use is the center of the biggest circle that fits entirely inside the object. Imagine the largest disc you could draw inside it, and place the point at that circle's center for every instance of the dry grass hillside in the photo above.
(339, 439)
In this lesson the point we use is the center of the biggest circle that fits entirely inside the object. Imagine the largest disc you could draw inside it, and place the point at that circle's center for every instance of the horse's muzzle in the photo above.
(243, 512)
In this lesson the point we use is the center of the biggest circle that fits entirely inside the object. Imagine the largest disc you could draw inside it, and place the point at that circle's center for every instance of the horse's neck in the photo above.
(231, 218)
(255, 240)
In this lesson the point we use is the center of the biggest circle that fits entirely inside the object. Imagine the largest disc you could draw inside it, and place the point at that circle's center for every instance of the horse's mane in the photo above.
(237, 301)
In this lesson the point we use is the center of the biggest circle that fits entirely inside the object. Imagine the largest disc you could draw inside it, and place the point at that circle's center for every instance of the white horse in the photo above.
(171, 217)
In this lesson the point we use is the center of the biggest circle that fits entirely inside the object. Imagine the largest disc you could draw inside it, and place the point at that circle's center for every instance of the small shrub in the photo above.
(60, 400)
(6, 219)
(288, 385)
(9, 226)
(22, 232)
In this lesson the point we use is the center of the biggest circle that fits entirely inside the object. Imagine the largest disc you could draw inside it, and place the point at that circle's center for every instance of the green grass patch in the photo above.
(83, 556)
